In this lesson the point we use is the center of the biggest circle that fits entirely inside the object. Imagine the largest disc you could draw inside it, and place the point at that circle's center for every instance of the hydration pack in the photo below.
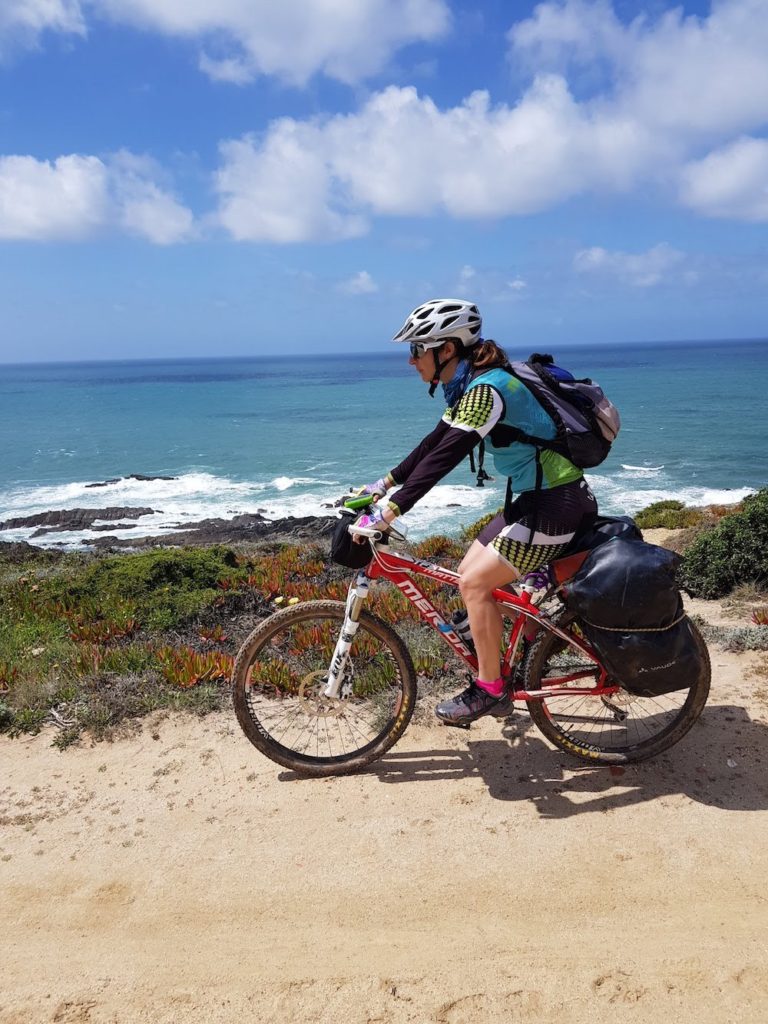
(587, 422)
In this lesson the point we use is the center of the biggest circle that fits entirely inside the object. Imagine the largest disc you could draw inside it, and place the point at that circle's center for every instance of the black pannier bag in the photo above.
(630, 609)
(599, 529)
(344, 551)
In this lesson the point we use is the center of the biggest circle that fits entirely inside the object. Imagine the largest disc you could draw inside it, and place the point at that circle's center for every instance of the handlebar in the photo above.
(365, 531)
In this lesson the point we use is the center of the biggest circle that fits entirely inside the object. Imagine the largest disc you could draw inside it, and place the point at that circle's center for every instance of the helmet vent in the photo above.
(440, 319)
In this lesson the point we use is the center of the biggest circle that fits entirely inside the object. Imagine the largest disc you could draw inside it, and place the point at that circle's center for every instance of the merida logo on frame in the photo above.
(427, 609)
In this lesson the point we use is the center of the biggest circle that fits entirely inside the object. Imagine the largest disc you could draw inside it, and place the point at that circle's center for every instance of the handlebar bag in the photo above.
(344, 551)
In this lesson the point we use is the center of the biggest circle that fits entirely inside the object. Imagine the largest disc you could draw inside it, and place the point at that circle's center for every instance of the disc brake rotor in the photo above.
(619, 703)
(315, 703)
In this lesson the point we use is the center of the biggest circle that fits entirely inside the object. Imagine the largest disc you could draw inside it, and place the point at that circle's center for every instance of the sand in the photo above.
(480, 876)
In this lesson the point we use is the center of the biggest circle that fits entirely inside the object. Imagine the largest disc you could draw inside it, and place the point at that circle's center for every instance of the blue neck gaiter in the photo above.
(456, 386)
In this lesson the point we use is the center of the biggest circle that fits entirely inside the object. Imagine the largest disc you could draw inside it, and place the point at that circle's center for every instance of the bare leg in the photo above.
(482, 571)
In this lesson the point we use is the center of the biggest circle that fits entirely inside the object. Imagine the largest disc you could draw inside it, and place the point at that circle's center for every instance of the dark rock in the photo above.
(131, 476)
(101, 527)
(108, 526)
(13, 552)
(75, 518)
(245, 527)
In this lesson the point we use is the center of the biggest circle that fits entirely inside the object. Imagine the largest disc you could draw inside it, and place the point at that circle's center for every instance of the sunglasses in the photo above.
(418, 349)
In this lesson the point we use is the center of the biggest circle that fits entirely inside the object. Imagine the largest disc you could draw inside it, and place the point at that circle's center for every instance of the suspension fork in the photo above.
(356, 597)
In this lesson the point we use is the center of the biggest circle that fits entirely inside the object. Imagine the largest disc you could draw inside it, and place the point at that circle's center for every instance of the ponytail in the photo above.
(487, 355)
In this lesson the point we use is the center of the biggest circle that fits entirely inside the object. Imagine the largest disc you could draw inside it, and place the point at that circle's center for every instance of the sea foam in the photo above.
(191, 497)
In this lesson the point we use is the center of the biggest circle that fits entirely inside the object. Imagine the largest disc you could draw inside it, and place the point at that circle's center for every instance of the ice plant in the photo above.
(185, 668)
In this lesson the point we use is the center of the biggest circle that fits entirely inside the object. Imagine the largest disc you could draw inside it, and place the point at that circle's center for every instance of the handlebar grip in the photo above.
(363, 502)
(365, 531)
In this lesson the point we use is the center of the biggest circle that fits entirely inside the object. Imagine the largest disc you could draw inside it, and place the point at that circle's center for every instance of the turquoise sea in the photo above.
(285, 436)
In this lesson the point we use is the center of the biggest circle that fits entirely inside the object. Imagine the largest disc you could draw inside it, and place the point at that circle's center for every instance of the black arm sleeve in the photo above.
(452, 446)
(403, 469)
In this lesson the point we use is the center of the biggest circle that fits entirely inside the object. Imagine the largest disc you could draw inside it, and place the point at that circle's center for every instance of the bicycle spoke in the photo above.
(617, 726)
(283, 694)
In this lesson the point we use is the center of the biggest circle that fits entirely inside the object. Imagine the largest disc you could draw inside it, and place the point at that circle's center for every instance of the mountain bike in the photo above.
(326, 687)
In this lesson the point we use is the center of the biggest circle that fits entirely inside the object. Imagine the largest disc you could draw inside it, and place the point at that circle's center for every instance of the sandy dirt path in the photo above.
(178, 876)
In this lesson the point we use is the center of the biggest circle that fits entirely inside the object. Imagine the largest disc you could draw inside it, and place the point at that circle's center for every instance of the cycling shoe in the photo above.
(473, 703)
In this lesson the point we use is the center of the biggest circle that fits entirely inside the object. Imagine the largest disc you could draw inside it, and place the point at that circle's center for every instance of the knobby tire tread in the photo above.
(300, 763)
(690, 711)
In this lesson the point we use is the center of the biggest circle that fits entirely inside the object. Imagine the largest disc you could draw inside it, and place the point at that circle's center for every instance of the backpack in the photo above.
(587, 422)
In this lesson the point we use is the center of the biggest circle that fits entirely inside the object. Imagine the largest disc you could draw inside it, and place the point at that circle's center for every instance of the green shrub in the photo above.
(733, 552)
(667, 515)
(163, 587)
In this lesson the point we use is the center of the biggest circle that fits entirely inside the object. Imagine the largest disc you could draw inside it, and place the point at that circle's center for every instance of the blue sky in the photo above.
(224, 177)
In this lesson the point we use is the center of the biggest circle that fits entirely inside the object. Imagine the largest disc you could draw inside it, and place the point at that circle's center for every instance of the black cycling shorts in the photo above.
(555, 518)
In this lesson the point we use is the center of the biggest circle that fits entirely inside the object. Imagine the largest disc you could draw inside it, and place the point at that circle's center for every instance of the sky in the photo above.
(232, 177)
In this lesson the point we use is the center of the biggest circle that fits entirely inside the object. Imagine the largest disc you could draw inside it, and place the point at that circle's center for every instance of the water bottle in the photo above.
(460, 624)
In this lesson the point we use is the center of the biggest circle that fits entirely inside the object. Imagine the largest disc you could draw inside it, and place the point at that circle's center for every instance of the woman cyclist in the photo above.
(485, 402)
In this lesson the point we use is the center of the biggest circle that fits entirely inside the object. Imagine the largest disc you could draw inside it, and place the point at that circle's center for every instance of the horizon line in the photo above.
(367, 353)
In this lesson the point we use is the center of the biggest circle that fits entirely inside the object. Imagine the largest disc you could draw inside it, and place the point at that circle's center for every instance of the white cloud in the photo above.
(671, 89)
(281, 191)
(488, 284)
(692, 75)
(729, 182)
(142, 206)
(240, 39)
(678, 85)
(559, 35)
(359, 284)
(75, 197)
(467, 276)
(402, 156)
(641, 270)
(22, 22)
(61, 200)
(292, 39)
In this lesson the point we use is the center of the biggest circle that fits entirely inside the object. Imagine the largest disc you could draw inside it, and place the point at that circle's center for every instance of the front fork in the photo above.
(358, 592)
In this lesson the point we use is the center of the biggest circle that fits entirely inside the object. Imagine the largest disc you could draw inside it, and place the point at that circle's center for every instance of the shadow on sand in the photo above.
(720, 763)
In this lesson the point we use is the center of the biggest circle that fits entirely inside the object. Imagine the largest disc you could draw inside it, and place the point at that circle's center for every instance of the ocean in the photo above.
(287, 436)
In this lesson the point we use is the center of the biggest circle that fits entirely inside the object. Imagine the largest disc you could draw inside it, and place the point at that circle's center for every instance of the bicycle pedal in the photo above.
(457, 725)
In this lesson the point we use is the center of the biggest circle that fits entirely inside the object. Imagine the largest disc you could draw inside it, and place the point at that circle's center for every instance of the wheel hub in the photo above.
(315, 703)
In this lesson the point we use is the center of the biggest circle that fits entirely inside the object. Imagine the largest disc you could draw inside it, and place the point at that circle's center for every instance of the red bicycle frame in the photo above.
(399, 569)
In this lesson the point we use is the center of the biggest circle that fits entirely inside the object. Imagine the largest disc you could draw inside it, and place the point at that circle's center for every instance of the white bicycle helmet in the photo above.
(432, 324)
(436, 321)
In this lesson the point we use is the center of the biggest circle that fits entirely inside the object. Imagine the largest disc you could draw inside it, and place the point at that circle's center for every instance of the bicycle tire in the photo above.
(279, 674)
(588, 726)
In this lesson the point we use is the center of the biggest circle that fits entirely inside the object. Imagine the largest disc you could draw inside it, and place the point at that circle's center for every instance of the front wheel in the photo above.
(613, 729)
(279, 677)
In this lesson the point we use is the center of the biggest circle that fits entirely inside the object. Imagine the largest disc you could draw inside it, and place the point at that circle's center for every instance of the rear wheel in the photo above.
(278, 683)
(612, 729)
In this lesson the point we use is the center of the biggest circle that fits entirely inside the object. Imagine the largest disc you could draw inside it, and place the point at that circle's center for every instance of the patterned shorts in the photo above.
(560, 514)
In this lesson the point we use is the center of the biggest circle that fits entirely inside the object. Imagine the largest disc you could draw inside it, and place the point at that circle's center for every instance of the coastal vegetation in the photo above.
(734, 551)
(92, 642)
